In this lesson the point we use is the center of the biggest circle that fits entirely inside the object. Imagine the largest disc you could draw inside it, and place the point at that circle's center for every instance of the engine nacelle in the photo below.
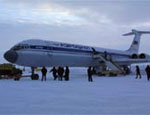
(142, 56)
(134, 56)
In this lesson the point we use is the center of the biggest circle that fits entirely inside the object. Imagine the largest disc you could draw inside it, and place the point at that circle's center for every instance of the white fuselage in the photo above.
(39, 53)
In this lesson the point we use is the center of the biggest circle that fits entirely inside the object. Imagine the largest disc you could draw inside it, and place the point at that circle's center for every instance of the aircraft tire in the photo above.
(16, 79)
(35, 77)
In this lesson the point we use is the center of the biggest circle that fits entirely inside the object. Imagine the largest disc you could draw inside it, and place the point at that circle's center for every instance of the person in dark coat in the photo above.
(67, 74)
(90, 74)
(44, 71)
(54, 73)
(148, 72)
(138, 73)
(60, 73)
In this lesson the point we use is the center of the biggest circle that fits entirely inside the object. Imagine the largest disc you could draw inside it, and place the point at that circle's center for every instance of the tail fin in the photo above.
(134, 48)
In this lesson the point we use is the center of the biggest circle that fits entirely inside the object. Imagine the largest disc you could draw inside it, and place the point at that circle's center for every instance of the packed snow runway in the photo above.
(106, 95)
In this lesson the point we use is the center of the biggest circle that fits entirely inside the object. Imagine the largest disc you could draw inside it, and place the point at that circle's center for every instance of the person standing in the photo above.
(90, 75)
(148, 72)
(60, 73)
(138, 73)
(67, 71)
(54, 73)
(44, 71)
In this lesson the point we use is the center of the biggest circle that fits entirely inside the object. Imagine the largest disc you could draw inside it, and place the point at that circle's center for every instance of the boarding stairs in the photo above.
(113, 67)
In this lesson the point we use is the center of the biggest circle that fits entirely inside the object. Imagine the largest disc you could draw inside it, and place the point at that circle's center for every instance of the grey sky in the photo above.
(91, 22)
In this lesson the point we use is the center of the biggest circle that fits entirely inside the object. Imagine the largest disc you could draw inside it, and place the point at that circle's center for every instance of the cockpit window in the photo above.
(19, 47)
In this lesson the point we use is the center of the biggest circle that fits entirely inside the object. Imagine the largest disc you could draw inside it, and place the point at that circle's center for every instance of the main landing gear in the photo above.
(33, 75)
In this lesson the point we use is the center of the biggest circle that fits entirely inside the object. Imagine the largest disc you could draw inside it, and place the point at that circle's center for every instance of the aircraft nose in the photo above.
(11, 56)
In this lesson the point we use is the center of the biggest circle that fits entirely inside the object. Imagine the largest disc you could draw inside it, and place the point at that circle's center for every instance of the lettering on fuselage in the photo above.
(71, 46)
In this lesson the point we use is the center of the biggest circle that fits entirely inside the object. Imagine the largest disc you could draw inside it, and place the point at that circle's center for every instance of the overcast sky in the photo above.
(89, 22)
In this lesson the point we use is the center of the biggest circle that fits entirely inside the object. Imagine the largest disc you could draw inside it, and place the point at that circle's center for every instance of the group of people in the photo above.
(138, 73)
(58, 73)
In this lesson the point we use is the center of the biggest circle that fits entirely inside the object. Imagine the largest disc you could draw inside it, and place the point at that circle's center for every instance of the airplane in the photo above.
(38, 53)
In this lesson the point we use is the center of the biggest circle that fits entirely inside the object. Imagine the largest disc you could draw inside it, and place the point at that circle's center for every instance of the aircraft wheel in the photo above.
(35, 77)
(17, 79)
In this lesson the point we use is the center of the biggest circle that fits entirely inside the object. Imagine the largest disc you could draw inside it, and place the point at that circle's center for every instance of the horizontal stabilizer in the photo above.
(136, 32)
(144, 32)
(128, 34)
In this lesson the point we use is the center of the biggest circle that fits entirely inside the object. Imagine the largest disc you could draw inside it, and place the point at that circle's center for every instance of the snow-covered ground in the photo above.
(106, 95)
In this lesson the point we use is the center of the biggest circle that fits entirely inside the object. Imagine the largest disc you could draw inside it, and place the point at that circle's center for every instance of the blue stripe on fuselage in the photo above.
(69, 50)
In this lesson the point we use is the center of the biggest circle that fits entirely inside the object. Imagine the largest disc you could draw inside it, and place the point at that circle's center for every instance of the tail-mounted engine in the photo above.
(134, 56)
(140, 56)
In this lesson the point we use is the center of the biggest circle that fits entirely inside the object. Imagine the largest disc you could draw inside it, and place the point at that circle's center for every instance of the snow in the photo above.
(106, 95)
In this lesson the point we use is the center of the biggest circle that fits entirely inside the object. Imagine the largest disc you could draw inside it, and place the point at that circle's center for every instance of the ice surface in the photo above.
(106, 95)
